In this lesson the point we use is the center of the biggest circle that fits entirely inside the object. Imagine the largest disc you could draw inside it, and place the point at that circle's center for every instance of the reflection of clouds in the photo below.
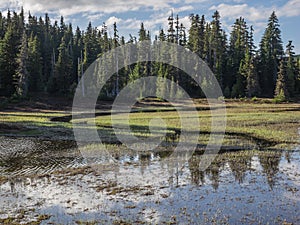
(148, 196)
(292, 196)
(291, 169)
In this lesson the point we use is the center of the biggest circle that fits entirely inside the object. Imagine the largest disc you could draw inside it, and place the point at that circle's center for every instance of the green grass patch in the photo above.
(247, 121)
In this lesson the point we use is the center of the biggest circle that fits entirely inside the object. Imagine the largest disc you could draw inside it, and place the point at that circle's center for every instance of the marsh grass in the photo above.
(275, 125)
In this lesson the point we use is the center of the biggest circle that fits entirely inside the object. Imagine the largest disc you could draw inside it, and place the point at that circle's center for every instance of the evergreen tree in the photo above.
(281, 92)
(8, 64)
(217, 48)
(2, 26)
(196, 34)
(291, 69)
(47, 49)
(142, 33)
(297, 83)
(271, 51)
(235, 80)
(171, 30)
(182, 36)
(91, 47)
(64, 68)
(249, 72)
(22, 74)
(36, 82)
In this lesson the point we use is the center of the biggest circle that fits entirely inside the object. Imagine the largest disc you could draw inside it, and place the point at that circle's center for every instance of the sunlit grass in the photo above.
(32, 119)
(274, 123)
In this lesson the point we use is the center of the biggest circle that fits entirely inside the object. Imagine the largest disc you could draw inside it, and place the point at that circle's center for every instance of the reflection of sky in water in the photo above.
(241, 187)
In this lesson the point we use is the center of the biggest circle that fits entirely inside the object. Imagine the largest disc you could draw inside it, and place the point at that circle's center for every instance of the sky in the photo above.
(129, 14)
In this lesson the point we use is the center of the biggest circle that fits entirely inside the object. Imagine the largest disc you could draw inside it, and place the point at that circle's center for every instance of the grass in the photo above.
(276, 124)
(262, 121)
(32, 118)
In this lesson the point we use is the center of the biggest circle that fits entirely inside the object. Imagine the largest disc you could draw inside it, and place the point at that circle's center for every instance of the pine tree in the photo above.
(22, 74)
(281, 92)
(182, 36)
(47, 49)
(237, 52)
(64, 68)
(142, 33)
(145, 67)
(291, 69)
(271, 51)
(36, 82)
(249, 71)
(171, 30)
(91, 46)
(218, 44)
(297, 83)
(162, 90)
(196, 35)
(8, 64)
(2, 26)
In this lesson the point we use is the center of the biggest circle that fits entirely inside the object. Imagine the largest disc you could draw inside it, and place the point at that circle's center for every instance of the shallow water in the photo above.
(244, 187)
(29, 156)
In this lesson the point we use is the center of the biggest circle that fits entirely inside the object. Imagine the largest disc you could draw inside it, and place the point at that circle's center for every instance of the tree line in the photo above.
(39, 56)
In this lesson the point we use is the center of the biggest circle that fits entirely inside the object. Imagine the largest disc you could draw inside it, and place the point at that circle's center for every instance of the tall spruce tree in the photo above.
(271, 51)
(196, 34)
(218, 45)
(22, 74)
(8, 54)
(297, 83)
(281, 91)
(291, 69)
(235, 80)
(64, 68)
(36, 82)
(249, 71)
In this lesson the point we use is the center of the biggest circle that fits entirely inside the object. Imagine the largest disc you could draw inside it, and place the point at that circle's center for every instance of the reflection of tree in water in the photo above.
(288, 156)
(197, 176)
(145, 161)
(239, 164)
(213, 171)
(270, 163)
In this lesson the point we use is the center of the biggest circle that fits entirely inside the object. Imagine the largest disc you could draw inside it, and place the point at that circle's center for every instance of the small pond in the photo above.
(43, 177)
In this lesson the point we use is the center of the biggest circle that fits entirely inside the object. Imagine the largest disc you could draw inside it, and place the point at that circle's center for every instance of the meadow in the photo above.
(257, 123)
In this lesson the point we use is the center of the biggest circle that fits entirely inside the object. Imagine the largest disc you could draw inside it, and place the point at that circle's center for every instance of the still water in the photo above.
(42, 177)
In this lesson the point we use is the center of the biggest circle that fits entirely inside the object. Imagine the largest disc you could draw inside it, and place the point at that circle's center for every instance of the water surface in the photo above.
(242, 187)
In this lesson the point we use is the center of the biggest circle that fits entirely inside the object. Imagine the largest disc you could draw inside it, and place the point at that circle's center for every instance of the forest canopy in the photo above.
(41, 56)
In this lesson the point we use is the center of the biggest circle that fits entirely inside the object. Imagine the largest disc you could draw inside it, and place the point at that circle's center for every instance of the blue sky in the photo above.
(130, 13)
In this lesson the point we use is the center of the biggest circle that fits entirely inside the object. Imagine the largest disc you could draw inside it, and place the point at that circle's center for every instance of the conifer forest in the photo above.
(43, 56)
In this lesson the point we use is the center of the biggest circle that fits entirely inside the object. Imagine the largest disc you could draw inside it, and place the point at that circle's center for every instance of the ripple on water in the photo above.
(238, 188)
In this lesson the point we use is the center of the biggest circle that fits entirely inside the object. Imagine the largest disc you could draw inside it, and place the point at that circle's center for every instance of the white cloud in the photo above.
(195, 1)
(111, 20)
(290, 9)
(93, 17)
(132, 23)
(250, 13)
(67, 7)
(183, 9)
